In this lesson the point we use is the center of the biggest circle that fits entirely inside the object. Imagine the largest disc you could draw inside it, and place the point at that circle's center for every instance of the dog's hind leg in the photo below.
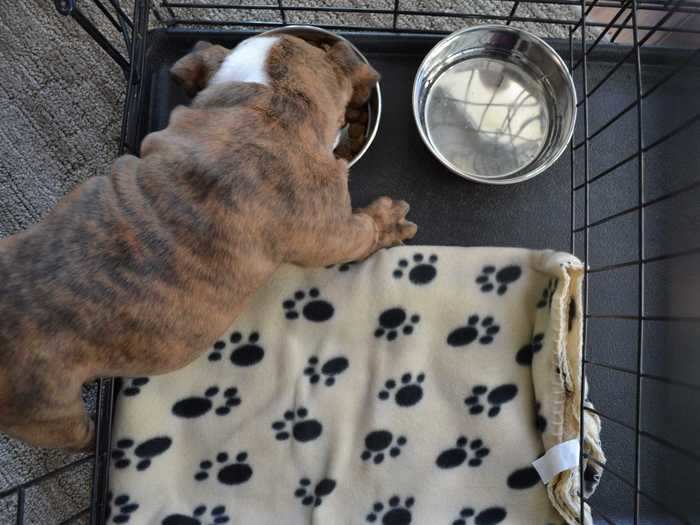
(67, 427)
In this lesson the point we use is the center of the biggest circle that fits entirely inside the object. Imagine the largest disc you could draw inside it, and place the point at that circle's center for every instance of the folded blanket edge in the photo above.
(566, 318)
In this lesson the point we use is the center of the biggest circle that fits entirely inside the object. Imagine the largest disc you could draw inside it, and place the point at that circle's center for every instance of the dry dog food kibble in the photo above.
(343, 150)
(353, 134)
(357, 115)
(352, 137)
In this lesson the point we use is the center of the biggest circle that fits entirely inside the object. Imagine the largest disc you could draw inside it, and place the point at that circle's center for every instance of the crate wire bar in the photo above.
(690, 6)
(134, 32)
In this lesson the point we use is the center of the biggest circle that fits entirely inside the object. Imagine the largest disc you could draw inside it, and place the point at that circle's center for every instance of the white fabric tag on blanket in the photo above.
(559, 458)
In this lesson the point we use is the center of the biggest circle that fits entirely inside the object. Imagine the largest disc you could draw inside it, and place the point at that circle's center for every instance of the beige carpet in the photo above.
(60, 113)
(60, 101)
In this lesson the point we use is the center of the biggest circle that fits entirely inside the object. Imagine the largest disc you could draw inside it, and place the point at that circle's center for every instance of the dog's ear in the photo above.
(202, 45)
(195, 69)
(363, 76)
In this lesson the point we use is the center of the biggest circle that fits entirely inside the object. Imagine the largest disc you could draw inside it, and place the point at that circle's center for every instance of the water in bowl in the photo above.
(487, 116)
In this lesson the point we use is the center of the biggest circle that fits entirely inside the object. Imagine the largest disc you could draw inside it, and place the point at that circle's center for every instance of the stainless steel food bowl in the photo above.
(318, 36)
(495, 104)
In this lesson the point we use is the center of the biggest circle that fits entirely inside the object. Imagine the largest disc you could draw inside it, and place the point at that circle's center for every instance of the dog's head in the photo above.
(319, 80)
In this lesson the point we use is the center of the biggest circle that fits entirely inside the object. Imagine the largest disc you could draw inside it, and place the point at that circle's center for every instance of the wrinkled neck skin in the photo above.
(300, 116)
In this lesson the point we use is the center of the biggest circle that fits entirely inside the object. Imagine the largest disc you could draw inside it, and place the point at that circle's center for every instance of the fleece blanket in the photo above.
(416, 387)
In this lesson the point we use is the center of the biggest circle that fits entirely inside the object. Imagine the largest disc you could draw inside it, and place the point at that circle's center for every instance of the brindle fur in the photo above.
(138, 272)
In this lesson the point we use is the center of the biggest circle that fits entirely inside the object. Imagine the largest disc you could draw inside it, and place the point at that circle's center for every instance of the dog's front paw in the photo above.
(389, 217)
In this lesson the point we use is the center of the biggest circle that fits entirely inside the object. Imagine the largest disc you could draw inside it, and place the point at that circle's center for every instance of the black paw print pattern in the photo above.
(132, 387)
(229, 473)
(394, 321)
(572, 313)
(422, 270)
(379, 444)
(497, 397)
(540, 420)
(343, 267)
(456, 456)
(142, 454)
(196, 406)
(490, 279)
(393, 512)
(591, 478)
(199, 516)
(302, 429)
(489, 516)
(244, 353)
(527, 353)
(124, 507)
(309, 496)
(329, 370)
(315, 308)
(407, 393)
(565, 379)
(483, 332)
(548, 293)
(523, 478)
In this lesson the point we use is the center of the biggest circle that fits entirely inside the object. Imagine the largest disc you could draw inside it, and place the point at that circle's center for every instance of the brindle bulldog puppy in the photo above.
(138, 272)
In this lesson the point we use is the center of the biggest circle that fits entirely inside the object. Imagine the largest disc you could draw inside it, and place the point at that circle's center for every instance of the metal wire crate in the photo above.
(625, 198)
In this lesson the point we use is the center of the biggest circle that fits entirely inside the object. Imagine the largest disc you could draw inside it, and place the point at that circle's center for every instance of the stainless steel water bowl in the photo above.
(318, 36)
(494, 104)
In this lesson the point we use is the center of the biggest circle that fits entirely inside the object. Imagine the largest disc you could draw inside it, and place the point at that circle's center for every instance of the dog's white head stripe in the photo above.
(246, 63)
